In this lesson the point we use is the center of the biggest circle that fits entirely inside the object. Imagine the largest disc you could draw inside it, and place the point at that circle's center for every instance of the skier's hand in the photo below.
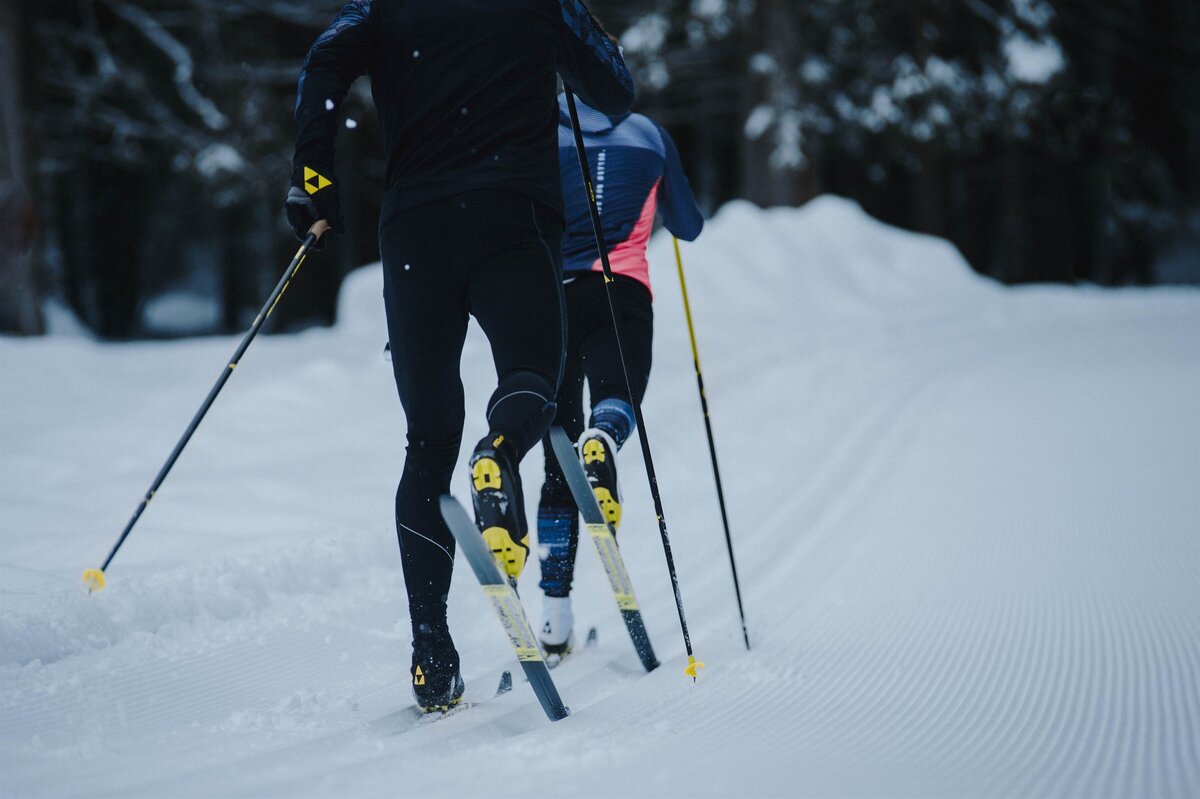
(313, 197)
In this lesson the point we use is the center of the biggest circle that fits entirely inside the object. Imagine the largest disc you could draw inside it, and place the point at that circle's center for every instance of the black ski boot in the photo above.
(436, 682)
(499, 506)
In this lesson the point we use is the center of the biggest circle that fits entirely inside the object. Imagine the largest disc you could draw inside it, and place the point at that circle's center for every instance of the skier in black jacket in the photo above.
(471, 223)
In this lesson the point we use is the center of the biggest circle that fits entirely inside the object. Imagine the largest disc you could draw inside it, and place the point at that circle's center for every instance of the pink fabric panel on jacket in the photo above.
(629, 257)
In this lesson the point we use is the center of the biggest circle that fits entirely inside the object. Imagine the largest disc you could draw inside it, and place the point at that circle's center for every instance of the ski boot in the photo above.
(436, 681)
(557, 635)
(598, 452)
(499, 506)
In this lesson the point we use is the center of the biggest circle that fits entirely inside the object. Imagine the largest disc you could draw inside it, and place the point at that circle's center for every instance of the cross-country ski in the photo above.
(507, 605)
(606, 546)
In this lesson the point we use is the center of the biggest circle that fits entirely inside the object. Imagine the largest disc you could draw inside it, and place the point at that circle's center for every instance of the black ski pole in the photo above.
(94, 578)
(712, 446)
(693, 664)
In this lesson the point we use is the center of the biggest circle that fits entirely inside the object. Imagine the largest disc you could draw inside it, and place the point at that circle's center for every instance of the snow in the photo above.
(759, 121)
(181, 312)
(709, 9)
(216, 159)
(965, 518)
(647, 34)
(1032, 60)
(1038, 13)
(789, 140)
(763, 64)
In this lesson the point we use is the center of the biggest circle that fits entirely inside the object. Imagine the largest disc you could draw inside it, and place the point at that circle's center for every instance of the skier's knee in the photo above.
(522, 408)
(429, 462)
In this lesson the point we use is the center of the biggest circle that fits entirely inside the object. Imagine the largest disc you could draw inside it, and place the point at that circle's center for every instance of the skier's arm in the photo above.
(336, 59)
(675, 200)
(590, 62)
(338, 56)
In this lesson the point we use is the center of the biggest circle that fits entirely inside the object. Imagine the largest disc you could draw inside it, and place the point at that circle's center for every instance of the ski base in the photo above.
(507, 605)
(606, 546)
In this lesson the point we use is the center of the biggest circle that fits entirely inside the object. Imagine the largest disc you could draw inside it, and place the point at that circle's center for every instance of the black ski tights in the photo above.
(592, 354)
(495, 256)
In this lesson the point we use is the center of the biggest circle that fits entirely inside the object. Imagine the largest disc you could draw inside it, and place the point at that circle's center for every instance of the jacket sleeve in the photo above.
(339, 55)
(591, 64)
(675, 200)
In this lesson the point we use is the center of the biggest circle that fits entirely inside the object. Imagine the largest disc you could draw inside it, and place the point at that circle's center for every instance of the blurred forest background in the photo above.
(145, 144)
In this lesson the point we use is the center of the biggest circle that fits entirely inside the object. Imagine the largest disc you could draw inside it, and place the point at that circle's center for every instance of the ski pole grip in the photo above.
(319, 227)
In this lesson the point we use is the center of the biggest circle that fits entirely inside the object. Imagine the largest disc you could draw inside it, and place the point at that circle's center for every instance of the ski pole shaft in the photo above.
(597, 228)
(95, 577)
(712, 446)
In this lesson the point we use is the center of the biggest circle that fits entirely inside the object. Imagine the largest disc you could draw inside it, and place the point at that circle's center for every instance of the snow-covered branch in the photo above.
(173, 49)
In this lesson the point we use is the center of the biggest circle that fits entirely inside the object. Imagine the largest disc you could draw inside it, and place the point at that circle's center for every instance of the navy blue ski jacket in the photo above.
(464, 89)
(635, 171)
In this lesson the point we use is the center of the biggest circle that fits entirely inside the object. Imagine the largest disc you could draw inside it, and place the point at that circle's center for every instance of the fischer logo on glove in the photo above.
(314, 181)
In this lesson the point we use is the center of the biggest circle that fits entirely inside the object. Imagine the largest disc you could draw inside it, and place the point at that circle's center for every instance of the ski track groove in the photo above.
(1157, 757)
(955, 716)
(1190, 734)
(1032, 726)
(1108, 663)
(1113, 754)
(1078, 750)
(1187, 750)
(1170, 749)
(854, 455)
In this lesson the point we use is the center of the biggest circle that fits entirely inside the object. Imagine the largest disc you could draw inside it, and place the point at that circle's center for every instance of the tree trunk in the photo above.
(20, 303)
(773, 31)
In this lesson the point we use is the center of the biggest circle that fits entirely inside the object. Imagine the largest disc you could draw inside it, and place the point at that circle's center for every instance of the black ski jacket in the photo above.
(465, 91)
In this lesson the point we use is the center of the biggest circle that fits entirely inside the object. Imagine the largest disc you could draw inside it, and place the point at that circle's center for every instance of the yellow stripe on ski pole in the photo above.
(687, 306)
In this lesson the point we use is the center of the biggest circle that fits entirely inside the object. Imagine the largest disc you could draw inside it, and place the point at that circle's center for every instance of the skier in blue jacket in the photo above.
(636, 172)
(470, 226)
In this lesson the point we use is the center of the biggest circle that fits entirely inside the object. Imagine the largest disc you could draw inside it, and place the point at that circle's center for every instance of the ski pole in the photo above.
(94, 578)
(712, 446)
(693, 664)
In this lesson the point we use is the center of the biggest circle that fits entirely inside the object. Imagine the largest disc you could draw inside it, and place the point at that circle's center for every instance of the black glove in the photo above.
(313, 196)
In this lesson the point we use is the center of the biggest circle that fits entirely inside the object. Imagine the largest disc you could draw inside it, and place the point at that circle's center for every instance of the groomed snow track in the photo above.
(967, 520)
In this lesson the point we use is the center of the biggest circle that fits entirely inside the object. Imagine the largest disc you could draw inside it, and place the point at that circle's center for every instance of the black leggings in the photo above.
(495, 256)
(592, 346)
(592, 354)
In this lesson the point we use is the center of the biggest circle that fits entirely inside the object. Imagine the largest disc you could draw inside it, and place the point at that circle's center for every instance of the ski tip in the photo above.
(693, 667)
(93, 579)
(505, 683)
